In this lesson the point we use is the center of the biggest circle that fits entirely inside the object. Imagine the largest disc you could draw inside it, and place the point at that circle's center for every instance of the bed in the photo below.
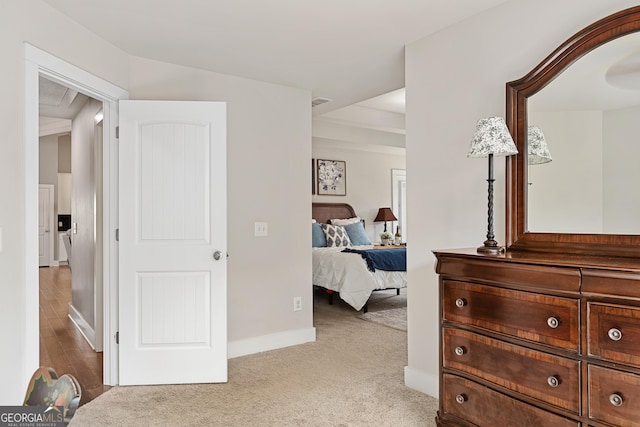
(349, 274)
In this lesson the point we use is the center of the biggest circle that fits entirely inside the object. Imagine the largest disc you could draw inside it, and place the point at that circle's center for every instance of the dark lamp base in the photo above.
(491, 250)
(491, 247)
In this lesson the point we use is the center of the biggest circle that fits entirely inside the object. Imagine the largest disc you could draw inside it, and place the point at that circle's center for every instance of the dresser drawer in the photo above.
(548, 378)
(614, 332)
(539, 318)
(485, 407)
(614, 396)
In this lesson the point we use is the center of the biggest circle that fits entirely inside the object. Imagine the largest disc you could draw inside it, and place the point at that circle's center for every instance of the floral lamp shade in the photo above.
(492, 137)
(537, 146)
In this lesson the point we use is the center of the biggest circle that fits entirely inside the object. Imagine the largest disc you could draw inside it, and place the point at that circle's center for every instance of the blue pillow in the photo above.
(318, 240)
(357, 235)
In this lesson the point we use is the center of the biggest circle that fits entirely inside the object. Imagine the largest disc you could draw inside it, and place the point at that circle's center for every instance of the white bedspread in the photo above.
(347, 273)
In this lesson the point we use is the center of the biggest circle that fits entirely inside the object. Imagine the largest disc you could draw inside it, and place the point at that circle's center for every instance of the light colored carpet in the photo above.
(394, 318)
(351, 376)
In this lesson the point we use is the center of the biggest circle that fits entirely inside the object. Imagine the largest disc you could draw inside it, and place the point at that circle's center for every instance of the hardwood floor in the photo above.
(62, 346)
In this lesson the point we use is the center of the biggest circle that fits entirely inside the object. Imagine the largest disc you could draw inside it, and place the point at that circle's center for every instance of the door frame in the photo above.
(38, 62)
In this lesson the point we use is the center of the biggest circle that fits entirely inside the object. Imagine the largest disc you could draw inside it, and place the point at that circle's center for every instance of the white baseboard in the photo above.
(270, 342)
(421, 381)
(83, 326)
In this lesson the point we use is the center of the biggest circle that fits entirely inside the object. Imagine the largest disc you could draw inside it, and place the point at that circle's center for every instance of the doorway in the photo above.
(71, 338)
(39, 63)
(202, 133)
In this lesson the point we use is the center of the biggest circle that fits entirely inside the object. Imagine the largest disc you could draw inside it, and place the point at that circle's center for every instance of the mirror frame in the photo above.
(517, 237)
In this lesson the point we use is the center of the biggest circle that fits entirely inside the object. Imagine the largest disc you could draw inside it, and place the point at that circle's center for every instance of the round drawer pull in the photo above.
(615, 334)
(460, 351)
(553, 322)
(553, 381)
(461, 398)
(460, 303)
(616, 399)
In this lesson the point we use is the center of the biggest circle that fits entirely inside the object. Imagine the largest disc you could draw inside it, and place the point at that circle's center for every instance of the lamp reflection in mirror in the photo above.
(537, 146)
(492, 138)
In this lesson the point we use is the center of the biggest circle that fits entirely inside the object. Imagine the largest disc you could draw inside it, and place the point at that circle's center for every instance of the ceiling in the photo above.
(376, 124)
(57, 101)
(346, 51)
(393, 101)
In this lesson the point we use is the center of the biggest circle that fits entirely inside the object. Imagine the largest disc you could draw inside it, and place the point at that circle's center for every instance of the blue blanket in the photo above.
(383, 259)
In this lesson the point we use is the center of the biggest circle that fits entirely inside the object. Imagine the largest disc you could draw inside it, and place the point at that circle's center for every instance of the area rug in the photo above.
(395, 318)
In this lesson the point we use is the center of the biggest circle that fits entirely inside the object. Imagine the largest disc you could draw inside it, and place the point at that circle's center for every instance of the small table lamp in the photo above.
(492, 138)
(385, 214)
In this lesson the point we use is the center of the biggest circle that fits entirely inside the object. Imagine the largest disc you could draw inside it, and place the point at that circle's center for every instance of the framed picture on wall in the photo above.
(331, 177)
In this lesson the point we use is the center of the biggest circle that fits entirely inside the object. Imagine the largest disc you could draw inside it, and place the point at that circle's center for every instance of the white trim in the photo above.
(32, 316)
(398, 177)
(358, 146)
(38, 62)
(421, 381)
(83, 326)
(270, 342)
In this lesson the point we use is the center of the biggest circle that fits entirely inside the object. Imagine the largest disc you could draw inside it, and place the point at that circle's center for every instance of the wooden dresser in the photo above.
(538, 340)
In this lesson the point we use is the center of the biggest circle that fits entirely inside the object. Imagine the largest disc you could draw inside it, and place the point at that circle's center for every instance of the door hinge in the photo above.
(117, 234)
(117, 132)
(118, 337)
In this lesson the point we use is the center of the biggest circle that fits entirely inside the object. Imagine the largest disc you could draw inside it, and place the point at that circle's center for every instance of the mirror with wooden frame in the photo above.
(522, 233)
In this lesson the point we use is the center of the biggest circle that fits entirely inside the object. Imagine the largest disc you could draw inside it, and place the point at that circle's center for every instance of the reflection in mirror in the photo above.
(538, 150)
(590, 116)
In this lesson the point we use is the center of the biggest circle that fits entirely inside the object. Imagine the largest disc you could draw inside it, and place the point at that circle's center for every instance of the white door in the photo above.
(45, 224)
(172, 242)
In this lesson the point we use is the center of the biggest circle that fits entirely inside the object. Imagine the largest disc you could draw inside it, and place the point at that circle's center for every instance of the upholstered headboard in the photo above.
(323, 212)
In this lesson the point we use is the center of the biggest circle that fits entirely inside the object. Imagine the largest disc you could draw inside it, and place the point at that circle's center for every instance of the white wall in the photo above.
(368, 181)
(269, 147)
(84, 156)
(48, 172)
(620, 164)
(268, 152)
(64, 153)
(593, 192)
(454, 78)
(566, 194)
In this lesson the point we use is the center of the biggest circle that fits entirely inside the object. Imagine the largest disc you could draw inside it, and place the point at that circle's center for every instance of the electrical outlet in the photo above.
(297, 303)
(261, 229)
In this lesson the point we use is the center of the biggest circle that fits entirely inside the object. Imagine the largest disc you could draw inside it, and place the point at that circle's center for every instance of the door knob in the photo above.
(217, 255)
